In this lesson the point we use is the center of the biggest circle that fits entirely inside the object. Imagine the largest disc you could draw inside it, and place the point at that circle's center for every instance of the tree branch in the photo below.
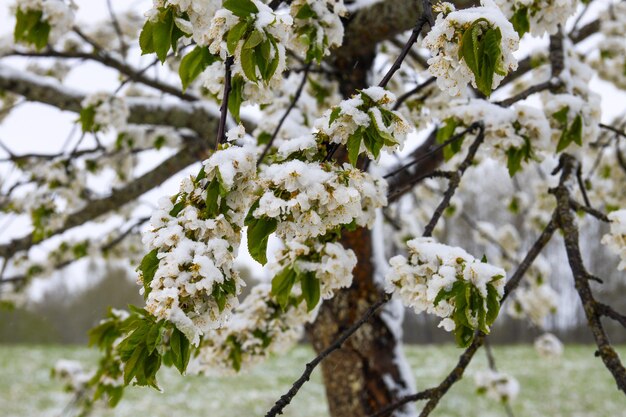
(568, 166)
(191, 153)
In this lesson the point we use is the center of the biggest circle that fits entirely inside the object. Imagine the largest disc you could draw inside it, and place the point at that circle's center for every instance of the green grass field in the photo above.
(577, 385)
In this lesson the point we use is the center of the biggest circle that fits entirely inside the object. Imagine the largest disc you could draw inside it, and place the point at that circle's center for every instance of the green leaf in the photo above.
(153, 338)
(240, 8)
(145, 38)
(87, 119)
(133, 364)
(282, 284)
(248, 64)
(212, 209)
(271, 69)
(334, 115)
(264, 138)
(179, 346)
(305, 12)
(520, 21)
(178, 207)
(482, 56)
(235, 98)
(490, 55)
(30, 28)
(576, 130)
(253, 40)
(493, 304)
(468, 49)
(354, 146)
(310, 285)
(561, 116)
(514, 160)
(193, 64)
(372, 141)
(148, 267)
(259, 231)
(162, 35)
(235, 35)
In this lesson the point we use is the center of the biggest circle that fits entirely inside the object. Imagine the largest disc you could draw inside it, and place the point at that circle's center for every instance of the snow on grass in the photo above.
(575, 385)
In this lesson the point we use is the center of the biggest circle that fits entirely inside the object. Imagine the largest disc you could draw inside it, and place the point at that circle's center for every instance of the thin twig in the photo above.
(613, 129)
(415, 90)
(426, 17)
(436, 149)
(221, 129)
(118, 29)
(455, 181)
(537, 88)
(295, 99)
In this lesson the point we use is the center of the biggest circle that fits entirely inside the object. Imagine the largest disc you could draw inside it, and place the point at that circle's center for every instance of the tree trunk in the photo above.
(363, 376)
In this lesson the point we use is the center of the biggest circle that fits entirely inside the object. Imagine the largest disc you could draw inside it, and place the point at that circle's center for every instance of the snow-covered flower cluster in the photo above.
(317, 27)
(615, 240)
(72, 374)
(60, 189)
(364, 123)
(537, 299)
(247, 34)
(512, 134)
(257, 329)
(330, 262)
(456, 37)
(497, 385)
(537, 16)
(122, 154)
(58, 14)
(548, 346)
(198, 12)
(101, 111)
(295, 132)
(574, 111)
(311, 199)
(611, 64)
(188, 276)
(448, 282)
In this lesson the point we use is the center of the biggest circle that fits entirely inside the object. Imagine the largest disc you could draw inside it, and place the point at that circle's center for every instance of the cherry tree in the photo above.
(343, 143)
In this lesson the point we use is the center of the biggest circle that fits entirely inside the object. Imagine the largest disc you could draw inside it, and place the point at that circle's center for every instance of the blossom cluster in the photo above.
(318, 27)
(188, 276)
(536, 300)
(58, 14)
(538, 16)
(198, 12)
(548, 346)
(611, 64)
(311, 199)
(331, 263)
(364, 123)
(72, 374)
(451, 47)
(448, 282)
(101, 111)
(513, 134)
(574, 111)
(258, 328)
(497, 385)
(248, 35)
(615, 240)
